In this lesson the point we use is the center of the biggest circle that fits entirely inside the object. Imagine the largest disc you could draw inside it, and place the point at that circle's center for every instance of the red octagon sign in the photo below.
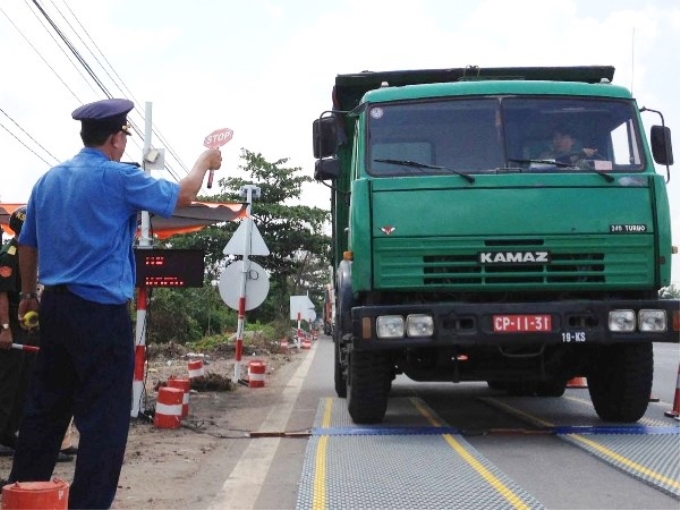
(218, 138)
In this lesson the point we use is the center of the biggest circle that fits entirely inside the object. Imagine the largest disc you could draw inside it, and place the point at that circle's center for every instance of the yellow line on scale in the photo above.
(319, 495)
(626, 461)
(597, 446)
(500, 487)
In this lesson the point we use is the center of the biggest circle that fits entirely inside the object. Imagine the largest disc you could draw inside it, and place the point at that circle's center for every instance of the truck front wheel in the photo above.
(368, 386)
(620, 381)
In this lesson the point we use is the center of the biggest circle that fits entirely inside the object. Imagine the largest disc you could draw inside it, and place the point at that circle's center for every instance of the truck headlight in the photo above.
(419, 325)
(389, 326)
(622, 320)
(652, 320)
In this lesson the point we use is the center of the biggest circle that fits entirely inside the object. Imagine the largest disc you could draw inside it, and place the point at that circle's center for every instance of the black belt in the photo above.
(57, 289)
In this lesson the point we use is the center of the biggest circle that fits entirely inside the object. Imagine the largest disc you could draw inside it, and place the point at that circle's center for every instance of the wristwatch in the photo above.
(27, 295)
(5, 326)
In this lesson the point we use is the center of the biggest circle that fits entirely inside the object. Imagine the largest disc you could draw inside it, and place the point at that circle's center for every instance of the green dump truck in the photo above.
(470, 246)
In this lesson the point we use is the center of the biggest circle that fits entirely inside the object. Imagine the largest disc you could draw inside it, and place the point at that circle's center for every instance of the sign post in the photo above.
(253, 278)
(215, 140)
(301, 308)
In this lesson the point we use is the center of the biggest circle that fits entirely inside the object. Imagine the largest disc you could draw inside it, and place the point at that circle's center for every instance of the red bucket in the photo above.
(196, 371)
(183, 384)
(256, 370)
(52, 495)
(168, 408)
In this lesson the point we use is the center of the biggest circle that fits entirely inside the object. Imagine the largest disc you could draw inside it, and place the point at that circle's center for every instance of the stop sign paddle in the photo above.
(215, 140)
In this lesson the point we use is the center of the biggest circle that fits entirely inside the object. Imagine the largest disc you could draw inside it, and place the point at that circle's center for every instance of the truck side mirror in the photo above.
(325, 134)
(326, 169)
(662, 148)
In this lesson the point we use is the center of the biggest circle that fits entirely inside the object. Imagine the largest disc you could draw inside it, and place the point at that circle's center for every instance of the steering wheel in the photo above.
(577, 157)
(582, 155)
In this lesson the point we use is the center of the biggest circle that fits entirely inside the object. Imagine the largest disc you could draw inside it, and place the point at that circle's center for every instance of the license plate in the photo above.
(521, 323)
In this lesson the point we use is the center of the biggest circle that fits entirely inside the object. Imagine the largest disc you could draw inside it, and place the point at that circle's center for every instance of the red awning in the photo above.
(191, 218)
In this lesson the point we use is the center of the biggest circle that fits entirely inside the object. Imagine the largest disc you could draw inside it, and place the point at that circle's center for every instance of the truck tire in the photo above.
(339, 377)
(620, 381)
(368, 386)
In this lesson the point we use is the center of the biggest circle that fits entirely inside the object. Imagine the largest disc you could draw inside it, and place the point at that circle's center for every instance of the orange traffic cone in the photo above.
(675, 412)
(577, 382)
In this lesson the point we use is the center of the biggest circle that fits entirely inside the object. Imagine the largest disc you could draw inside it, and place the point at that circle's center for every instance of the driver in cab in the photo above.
(565, 147)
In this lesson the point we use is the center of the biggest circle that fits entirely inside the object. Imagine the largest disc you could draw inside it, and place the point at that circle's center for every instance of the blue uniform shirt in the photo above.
(82, 218)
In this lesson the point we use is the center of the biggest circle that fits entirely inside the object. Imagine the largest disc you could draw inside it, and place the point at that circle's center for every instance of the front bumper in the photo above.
(467, 325)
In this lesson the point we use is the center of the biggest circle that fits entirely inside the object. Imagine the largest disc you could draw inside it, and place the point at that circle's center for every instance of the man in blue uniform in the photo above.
(79, 230)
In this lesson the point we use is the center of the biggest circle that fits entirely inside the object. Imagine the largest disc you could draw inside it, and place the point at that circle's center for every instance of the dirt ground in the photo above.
(184, 468)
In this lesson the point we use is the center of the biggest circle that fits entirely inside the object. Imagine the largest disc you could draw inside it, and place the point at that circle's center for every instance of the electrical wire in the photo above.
(27, 134)
(119, 83)
(113, 76)
(22, 143)
(40, 55)
(90, 71)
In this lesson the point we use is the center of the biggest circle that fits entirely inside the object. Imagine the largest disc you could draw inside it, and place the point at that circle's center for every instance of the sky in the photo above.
(265, 69)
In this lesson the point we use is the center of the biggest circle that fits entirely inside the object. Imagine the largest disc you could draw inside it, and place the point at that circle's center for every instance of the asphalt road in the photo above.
(558, 474)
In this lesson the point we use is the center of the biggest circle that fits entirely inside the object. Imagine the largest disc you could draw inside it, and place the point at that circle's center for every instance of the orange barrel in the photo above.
(184, 384)
(196, 369)
(168, 408)
(306, 342)
(256, 369)
(52, 495)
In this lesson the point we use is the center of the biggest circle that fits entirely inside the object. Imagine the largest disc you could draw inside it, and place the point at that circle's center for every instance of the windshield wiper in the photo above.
(415, 164)
(604, 174)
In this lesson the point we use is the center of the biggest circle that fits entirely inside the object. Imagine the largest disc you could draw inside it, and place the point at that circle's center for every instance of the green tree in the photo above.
(294, 233)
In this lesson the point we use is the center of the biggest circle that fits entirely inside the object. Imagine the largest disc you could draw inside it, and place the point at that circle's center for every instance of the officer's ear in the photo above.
(118, 139)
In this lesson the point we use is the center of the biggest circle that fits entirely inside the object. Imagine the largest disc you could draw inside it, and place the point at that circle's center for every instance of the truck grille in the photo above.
(595, 262)
(564, 268)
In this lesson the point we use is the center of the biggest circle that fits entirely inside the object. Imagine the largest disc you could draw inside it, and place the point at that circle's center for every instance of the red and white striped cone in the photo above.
(184, 384)
(168, 408)
(256, 370)
(577, 382)
(675, 412)
(306, 342)
(196, 371)
(283, 344)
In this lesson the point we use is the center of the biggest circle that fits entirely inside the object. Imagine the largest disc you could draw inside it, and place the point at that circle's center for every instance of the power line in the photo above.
(117, 81)
(78, 57)
(27, 134)
(22, 143)
(40, 55)
(120, 83)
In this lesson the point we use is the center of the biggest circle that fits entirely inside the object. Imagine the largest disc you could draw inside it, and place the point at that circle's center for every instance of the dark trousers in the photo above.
(84, 369)
(12, 386)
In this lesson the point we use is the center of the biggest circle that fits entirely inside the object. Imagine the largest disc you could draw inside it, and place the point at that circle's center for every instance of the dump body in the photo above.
(468, 248)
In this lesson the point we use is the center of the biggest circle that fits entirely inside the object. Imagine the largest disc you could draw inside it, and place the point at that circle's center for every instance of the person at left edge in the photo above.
(80, 225)
(12, 361)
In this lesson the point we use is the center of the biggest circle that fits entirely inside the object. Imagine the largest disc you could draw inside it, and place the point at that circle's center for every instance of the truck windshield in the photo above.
(498, 134)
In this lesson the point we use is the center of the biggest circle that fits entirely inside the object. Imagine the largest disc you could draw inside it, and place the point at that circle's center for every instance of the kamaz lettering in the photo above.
(509, 257)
